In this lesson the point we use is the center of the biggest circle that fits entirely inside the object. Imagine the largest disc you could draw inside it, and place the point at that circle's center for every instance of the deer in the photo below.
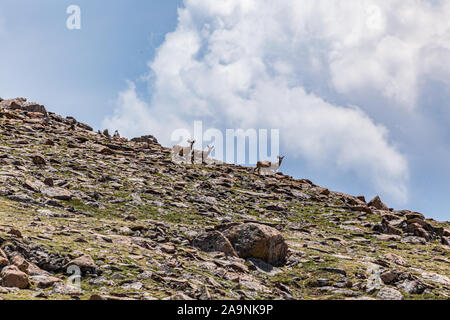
(199, 154)
(183, 151)
(269, 165)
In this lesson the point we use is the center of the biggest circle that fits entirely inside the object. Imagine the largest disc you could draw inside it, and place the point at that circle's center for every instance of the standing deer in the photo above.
(274, 166)
(183, 152)
(199, 154)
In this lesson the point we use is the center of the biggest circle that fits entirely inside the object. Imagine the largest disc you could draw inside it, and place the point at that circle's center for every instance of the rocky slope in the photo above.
(141, 227)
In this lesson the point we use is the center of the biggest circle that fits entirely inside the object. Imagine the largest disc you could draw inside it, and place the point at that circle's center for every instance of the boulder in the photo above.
(38, 159)
(427, 226)
(168, 248)
(214, 241)
(445, 241)
(392, 257)
(33, 185)
(15, 232)
(34, 107)
(3, 261)
(252, 240)
(85, 263)
(446, 232)
(386, 228)
(361, 198)
(389, 277)
(49, 142)
(45, 281)
(436, 278)
(49, 182)
(414, 215)
(84, 126)
(12, 277)
(106, 151)
(146, 139)
(414, 240)
(378, 204)
(60, 288)
(25, 266)
(387, 293)
(35, 115)
(20, 263)
(411, 287)
(417, 230)
(57, 193)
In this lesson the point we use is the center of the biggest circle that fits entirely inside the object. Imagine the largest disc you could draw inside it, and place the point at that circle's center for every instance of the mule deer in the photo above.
(183, 152)
(199, 154)
(267, 165)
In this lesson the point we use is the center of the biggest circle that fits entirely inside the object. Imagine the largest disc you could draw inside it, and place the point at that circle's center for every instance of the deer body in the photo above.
(274, 166)
(181, 151)
(203, 155)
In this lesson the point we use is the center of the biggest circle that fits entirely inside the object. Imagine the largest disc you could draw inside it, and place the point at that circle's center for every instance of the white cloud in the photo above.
(267, 64)
(134, 117)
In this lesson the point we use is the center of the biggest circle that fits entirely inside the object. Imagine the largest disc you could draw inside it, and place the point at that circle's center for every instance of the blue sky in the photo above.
(359, 89)
(79, 72)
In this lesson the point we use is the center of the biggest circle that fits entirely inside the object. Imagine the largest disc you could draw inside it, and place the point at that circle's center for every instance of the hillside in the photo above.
(141, 227)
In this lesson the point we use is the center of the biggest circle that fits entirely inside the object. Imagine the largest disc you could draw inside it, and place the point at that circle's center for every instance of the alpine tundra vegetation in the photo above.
(136, 225)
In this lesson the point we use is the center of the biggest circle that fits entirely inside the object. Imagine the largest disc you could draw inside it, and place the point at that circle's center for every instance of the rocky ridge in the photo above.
(138, 226)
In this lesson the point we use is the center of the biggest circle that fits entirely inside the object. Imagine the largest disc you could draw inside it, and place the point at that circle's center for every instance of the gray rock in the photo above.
(387, 293)
(436, 278)
(66, 289)
(20, 197)
(214, 241)
(411, 287)
(57, 193)
(414, 240)
(133, 286)
(45, 281)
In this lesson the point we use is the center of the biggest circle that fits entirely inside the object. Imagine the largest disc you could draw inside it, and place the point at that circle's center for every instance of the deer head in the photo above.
(191, 142)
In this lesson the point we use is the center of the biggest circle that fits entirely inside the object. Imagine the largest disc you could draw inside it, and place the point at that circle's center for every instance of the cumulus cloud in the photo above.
(297, 66)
